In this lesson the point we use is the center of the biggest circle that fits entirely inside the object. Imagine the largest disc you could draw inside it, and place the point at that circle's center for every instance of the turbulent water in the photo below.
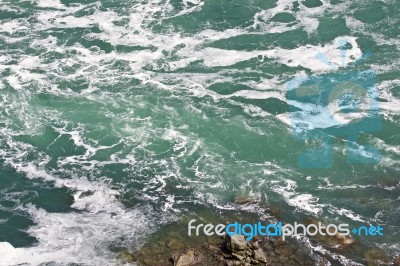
(119, 116)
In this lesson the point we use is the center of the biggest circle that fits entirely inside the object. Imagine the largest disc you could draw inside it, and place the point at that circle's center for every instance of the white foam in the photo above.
(304, 56)
(349, 214)
(7, 253)
(305, 202)
(12, 26)
(321, 250)
(391, 106)
(84, 234)
(81, 236)
(377, 36)
(306, 18)
(49, 3)
(390, 148)
(136, 33)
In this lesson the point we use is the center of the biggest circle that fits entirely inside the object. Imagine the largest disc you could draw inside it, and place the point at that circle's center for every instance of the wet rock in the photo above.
(283, 258)
(236, 243)
(237, 256)
(323, 262)
(274, 211)
(337, 241)
(188, 258)
(125, 256)
(244, 200)
(285, 250)
(213, 249)
(271, 254)
(344, 241)
(279, 242)
(174, 244)
(396, 260)
(376, 257)
(259, 255)
(254, 245)
(253, 261)
(232, 263)
(216, 252)
(227, 256)
(229, 262)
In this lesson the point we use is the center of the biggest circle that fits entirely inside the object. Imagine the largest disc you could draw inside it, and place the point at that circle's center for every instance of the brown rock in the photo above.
(344, 241)
(376, 257)
(337, 241)
(236, 243)
(396, 260)
(253, 261)
(285, 250)
(259, 255)
(237, 256)
(227, 256)
(125, 256)
(243, 200)
(255, 245)
(174, 244)
(188, 258)
(323, 262)
(279, 242)
(271, 254)
(229, 262)
(275, 211)
(283, 258)
(237, 263)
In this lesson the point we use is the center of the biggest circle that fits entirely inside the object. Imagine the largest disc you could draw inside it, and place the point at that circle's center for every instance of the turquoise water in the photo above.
(119, 116)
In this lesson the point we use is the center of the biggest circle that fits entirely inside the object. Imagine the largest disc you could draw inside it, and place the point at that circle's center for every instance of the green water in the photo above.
(119, 116)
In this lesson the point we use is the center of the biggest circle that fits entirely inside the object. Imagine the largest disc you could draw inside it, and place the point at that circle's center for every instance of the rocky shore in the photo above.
(171, 246)
(236, 251)
(226, 251)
